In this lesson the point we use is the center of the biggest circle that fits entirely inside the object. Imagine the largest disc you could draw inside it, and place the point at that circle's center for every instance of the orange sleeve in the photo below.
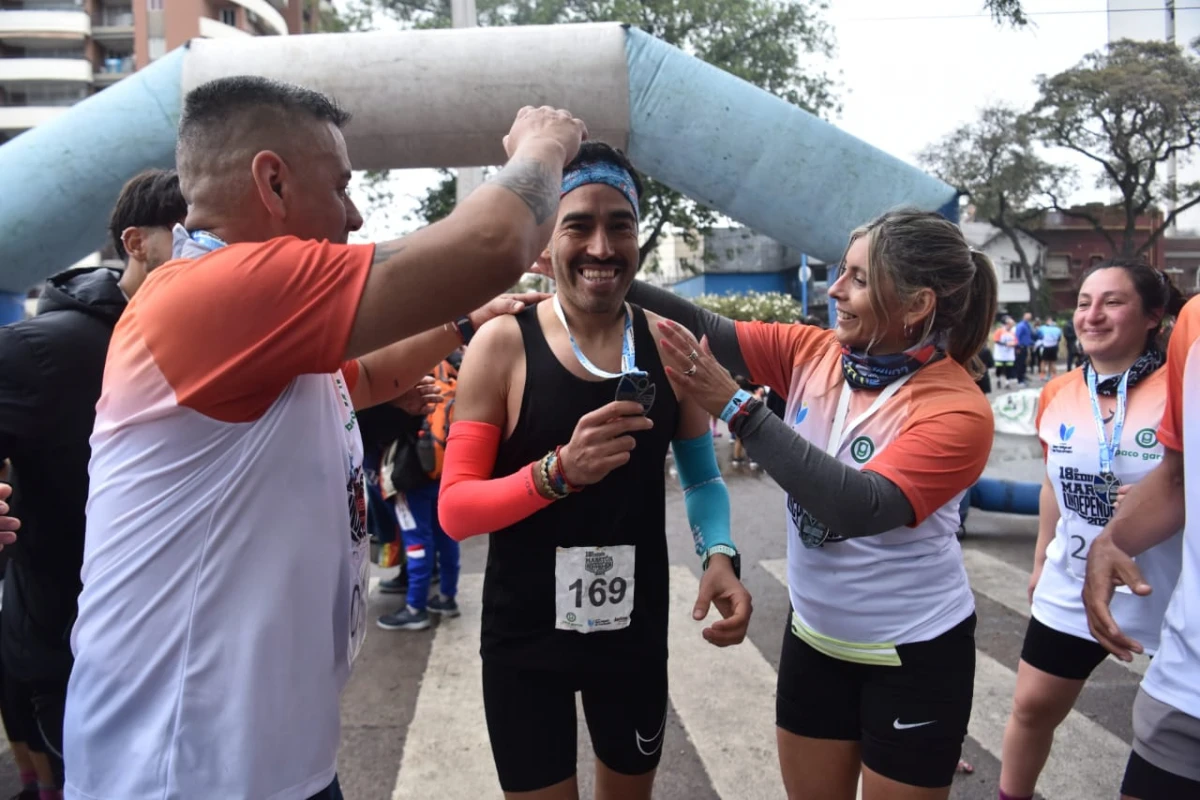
(229, 331)
(470, 500)
(1187, 330)
(938, 454)
(771, 350)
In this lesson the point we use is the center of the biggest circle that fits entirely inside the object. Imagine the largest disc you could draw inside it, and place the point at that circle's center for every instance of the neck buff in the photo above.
(865, 371)
(1149, 361)
(605, 172)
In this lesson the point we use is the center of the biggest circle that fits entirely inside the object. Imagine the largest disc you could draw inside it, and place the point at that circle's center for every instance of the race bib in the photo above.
(404, 514)
(593, 588)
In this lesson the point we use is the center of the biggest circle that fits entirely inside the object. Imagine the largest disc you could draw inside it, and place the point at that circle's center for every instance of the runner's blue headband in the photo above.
(604, 172)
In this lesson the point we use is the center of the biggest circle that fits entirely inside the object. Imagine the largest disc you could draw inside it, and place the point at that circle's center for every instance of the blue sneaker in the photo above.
(406, 619)
(440, 604)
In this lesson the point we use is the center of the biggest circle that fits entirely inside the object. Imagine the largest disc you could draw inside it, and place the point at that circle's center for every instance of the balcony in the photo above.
(20, 118)
(113, 23)
(214, 29)
(44, 24)
(24, 70)
(114, 69)
(268, 18)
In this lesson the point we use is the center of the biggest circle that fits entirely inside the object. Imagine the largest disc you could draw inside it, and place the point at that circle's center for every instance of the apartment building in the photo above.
(54, 53)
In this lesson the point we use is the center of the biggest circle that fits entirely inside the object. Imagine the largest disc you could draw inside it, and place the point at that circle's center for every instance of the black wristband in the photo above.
(465, 329)
(742, 414)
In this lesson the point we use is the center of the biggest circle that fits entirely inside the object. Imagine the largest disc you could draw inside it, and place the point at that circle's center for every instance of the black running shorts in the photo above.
(532, 726)
(1060, 654)
(910, 719)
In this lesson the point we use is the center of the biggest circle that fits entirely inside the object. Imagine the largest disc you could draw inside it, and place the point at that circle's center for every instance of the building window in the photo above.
(157, 46)
(1058, 266)
(154, 5)
(229, 17)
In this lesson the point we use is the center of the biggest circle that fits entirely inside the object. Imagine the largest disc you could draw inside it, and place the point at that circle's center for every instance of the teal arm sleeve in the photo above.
(704, 491)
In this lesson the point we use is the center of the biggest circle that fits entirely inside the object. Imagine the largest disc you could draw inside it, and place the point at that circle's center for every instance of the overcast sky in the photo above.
(913, 70)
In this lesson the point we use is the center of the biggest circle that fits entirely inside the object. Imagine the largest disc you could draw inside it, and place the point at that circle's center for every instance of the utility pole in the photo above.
(463, 15)
(1171, 165)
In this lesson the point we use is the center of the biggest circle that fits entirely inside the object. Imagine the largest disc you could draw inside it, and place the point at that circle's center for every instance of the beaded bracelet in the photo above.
(564, 484)
(543, 468)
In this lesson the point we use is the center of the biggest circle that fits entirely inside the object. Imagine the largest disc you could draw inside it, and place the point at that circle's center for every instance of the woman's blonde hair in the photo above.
(909, 250)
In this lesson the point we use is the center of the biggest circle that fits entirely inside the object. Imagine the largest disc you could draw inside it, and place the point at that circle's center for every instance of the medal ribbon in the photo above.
(628, 364)
(1108, 449)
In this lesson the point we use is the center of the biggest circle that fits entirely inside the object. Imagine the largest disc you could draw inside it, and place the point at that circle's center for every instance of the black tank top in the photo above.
(627, 507)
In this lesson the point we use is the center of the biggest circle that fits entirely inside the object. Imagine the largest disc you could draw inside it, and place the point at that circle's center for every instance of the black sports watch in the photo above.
(466, 329)
(724, 549)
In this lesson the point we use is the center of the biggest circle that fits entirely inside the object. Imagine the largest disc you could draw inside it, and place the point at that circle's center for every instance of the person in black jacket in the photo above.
(50, 374)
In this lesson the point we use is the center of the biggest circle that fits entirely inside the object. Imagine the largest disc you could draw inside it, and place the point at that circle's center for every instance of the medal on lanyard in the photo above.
(634, 384)
(1106, 483)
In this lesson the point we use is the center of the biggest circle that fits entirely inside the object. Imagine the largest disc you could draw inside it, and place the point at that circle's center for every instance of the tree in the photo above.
(765, 42)
(993, 161)
(1009, 11)
(1128, 108)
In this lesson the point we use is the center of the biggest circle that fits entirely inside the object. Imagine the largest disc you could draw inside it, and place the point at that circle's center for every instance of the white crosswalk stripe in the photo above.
(1087, 760)
(449, 715)
(1008, 586)
(732, 732)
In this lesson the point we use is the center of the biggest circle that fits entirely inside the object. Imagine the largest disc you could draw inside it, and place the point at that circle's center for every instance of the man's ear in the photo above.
(270, 172)
(543, 265)
(134, 242)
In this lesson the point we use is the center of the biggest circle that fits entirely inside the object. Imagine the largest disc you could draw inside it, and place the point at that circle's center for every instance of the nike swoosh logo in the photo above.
(658, 737)
(902, 726)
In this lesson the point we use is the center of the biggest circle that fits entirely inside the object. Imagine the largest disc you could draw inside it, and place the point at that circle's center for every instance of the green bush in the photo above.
(762, 306)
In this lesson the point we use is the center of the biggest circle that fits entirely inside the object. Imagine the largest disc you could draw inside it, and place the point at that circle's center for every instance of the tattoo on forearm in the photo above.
(533, 182)
(385, 250)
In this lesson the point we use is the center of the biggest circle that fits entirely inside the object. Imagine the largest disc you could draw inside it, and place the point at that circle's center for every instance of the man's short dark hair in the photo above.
(592, 152)
(150, 199)
(216, 113)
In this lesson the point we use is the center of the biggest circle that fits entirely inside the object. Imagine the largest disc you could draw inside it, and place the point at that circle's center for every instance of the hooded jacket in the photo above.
(51, 369)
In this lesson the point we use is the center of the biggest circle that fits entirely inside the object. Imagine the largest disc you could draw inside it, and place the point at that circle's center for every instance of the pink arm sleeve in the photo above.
(471, 501)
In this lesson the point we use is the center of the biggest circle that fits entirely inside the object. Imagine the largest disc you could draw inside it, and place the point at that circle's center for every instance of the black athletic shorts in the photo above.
(532, 726)
(1145, 781)
(1060, 654)
(910, 719)
(33, 714)
(1050, 353)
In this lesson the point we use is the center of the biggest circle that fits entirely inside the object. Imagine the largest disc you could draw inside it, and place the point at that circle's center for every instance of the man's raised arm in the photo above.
(454, 266)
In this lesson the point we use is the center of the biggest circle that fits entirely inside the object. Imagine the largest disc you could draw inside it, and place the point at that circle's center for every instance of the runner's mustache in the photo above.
(615, 261)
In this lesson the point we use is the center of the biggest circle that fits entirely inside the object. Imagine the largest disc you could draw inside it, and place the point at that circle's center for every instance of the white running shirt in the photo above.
(225, 533)
(856, 599)
(1068, 432)
(1174, 674)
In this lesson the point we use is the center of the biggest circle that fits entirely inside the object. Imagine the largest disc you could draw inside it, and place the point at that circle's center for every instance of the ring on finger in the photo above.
(694, 356)
(690, 371)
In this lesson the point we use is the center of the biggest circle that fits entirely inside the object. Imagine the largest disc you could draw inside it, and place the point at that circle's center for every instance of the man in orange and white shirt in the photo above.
(1165, 763)
(225, 558)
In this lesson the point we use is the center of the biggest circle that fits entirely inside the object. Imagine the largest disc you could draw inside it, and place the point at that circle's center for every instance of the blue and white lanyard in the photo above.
(207, 240)
(628, 365)
(1108, 450)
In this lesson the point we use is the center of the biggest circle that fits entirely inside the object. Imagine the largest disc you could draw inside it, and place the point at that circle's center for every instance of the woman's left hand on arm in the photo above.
(693, 371)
